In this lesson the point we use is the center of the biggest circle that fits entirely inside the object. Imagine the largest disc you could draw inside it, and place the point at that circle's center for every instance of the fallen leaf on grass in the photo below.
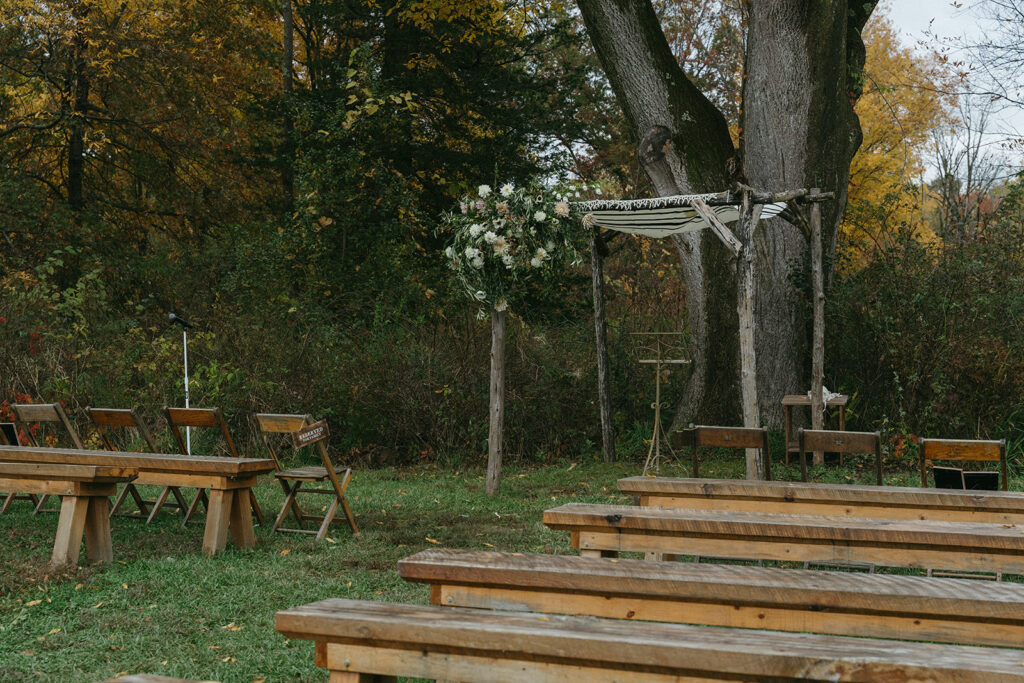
(78, 587)
(52, 631)
(329, 539)
(98, 604)
(32, 603)
(232, 627)
(286, 551)
(431, 540)
(124, 586)
(228, 659)
(571, 467)
(487, 544)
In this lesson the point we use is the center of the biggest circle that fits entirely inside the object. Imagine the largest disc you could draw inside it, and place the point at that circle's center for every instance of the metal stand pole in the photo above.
(188, 430)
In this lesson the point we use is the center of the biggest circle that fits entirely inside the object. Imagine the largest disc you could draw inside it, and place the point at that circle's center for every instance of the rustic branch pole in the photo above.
(745, 227)
(717, 226)
(497, 402)
(601, 338)
(818, 343)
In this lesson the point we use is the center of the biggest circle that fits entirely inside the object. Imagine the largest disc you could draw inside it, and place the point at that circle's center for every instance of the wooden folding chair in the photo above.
(27, 413)
(811, 440)
(204, 417)
(105, 419)
(975, 451)
(702, 436)
(271, 425)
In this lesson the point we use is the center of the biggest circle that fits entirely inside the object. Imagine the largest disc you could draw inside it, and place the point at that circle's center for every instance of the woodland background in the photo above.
(155, 156)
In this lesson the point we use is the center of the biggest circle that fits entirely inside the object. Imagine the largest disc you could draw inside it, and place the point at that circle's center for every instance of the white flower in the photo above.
(480, 295)
(562, 208)
(549, 245)
(484, 190)
(478, 262)
(506, 189)
(507, 259)
(542, 253)
(475, 230)
(472, 252)
(501, 305)
(597, 190)
(449, 252)
(501, 246)
(536, 262)
(490, 237)
(539, 216)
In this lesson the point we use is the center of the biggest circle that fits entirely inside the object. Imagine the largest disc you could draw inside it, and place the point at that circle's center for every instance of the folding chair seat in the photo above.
(25, 414)
(839, 442)
(210, 418)
(107, 419)
(954, 450)
(276, 425)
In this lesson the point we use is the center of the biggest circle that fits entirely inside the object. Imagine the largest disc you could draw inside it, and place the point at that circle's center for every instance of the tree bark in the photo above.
(604, 393)
(78, 90)
(803, 66)
(495, 433)
(654, 92)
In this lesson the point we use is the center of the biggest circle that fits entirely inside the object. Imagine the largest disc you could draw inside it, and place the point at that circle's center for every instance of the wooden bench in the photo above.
(84, 510)
(701, 436)
(975, 451)
(844, 500)
(838, 603)
(230, 481)
(374, 641)
(961, 546)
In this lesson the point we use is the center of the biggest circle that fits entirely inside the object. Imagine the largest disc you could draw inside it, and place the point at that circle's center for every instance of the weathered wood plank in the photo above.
(153, 462)
(85, 473)
(886, 606)
(463, 644)
(893, 502)
(905, 543)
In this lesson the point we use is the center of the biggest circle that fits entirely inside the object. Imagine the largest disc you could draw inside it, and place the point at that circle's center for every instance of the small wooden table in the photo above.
(84, 490)
(230, 481)
(791, 400)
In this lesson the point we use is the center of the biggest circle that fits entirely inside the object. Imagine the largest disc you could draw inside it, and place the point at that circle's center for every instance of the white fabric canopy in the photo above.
(662, 216)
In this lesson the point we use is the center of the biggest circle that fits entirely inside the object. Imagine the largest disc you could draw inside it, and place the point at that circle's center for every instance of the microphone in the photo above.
(181, 321)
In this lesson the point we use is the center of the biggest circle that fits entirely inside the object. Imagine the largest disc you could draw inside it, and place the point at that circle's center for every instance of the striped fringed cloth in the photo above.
(661, 216)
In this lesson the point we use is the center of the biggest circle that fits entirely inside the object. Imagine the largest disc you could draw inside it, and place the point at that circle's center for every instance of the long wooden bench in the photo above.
(230, 481)
(373, 641)
(843, 500)
(84, 490)
(963, 546)
(838, 603)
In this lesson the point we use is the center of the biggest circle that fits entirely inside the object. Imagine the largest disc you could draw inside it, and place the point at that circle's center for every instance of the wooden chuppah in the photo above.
(744, 205)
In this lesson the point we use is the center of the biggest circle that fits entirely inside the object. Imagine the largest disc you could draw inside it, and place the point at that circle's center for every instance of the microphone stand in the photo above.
(184, 340)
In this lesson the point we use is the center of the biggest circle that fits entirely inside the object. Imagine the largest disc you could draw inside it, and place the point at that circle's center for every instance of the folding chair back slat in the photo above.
(963, 450)
(840, 442)
(292, 480)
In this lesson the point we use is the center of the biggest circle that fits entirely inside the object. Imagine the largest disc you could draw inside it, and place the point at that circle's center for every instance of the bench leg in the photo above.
(240, 521)
(120, 500)
(70, 527)
(98, 547)
(354, 677)
(218, 515)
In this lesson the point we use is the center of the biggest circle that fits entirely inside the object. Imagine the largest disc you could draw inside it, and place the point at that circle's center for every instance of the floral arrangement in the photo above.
(505, 237)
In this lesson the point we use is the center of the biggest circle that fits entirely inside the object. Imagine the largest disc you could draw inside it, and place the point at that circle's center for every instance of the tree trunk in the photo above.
(657, 96)
(78, 87)
(803, 68)
(288, 124)
(601, 336)
(495, 432)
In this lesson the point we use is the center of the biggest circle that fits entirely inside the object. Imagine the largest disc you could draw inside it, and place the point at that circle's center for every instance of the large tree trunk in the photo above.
(604, 392)
(288, 125)
(691, 156)
(799, 131)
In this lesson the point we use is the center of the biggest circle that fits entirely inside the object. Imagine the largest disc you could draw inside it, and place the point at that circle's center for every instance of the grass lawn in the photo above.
(163, 608)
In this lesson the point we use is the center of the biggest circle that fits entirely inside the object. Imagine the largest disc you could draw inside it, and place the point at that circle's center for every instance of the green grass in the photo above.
(163, 608)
